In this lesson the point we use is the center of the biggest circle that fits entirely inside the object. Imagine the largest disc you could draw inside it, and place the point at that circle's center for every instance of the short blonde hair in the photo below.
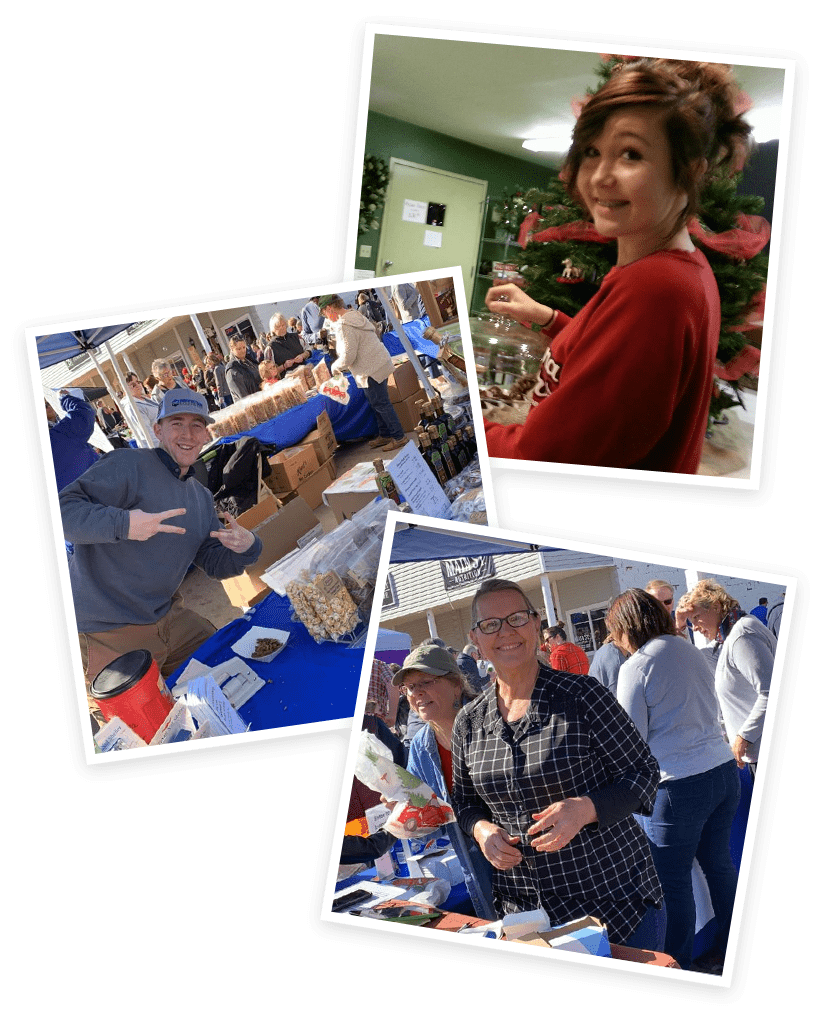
(655, 584)
(707, 592)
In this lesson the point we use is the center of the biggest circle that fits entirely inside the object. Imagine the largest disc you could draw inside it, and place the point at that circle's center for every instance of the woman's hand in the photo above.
(497, 845)
(561, 822)
(739, 748)
(509, 300)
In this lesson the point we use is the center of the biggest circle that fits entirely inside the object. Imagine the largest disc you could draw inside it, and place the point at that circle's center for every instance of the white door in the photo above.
(408, 242)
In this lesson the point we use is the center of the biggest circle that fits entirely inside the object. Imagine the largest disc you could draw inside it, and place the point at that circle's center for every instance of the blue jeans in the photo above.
(377, 394)
(692, 819)
(650, 933)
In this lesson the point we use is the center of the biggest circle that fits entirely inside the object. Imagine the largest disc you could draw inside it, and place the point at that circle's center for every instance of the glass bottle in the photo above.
(384, 481)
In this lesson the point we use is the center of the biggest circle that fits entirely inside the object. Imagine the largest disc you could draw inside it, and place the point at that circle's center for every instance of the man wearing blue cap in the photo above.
(129, 560)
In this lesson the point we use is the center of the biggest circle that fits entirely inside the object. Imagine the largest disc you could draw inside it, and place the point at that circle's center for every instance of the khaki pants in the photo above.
(171, 641)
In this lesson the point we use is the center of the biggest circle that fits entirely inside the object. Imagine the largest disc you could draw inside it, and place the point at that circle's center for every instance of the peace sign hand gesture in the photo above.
(143, 525)
(234, 537)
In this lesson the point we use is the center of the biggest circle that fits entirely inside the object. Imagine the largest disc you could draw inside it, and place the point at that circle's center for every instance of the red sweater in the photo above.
(627, 381)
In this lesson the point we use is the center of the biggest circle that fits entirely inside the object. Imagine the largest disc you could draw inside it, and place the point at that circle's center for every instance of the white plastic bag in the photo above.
(336, 388)
(418, 810)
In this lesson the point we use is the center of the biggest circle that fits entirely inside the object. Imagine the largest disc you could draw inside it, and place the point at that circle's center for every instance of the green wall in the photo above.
(387, 137)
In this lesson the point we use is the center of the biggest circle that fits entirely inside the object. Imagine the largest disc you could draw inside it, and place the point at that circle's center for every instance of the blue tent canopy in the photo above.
(54, 348)
(415, 544)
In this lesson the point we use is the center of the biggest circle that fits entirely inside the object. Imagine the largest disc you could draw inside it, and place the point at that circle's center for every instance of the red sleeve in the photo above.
(622, 374)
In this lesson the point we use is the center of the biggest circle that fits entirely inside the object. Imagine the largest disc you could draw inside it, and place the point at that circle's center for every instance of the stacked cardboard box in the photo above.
(291, 467)
(322, 438)
(312, 488)
(280, 530)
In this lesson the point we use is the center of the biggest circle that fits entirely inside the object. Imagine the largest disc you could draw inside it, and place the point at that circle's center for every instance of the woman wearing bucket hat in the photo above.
(436, 689)
(548, 771)
(363, 354)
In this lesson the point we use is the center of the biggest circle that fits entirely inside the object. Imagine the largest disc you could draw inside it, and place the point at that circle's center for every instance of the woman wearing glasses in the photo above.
(745, 650)
(548, 770)
(436, 689)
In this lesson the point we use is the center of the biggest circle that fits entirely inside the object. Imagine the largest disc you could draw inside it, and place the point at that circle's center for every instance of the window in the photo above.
(587, 626)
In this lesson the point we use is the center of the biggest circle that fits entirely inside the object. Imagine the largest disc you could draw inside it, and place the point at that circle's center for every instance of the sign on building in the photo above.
(458, 572)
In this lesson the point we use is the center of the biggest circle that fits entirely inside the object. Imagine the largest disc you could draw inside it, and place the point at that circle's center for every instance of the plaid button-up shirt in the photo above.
(574, 740)
(381, 677)
(569, 657)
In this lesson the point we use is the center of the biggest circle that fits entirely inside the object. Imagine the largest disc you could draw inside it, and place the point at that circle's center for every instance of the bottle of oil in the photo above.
(458, 451)
(384, 481)
(432, 458)
(451, 467)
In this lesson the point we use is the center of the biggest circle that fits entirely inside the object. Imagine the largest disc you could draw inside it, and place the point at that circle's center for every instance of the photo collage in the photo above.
(475, 505)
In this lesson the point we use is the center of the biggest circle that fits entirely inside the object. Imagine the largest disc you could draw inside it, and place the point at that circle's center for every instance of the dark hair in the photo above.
(639, 616)
(698, 103)
(557, 631)
(496, 586)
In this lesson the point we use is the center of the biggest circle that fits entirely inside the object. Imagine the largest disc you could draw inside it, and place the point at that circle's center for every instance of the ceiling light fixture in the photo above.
(557, 143)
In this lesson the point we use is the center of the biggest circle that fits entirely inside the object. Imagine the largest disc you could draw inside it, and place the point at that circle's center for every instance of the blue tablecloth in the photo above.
(350, 422)
(354, 421)
(308, 682)
(413, 332)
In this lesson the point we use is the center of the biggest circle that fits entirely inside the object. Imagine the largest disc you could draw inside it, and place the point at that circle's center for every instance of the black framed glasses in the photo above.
(488, 626)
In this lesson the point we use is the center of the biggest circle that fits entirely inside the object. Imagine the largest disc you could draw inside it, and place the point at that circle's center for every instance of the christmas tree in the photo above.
(565, 259)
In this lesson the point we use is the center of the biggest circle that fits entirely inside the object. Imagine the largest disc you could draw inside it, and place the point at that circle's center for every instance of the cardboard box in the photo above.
(403, 382)
(291, 467)
(585, 935)
(280, 529)
(312, 489)
(407, 411)
(322, 438)
(352, 490)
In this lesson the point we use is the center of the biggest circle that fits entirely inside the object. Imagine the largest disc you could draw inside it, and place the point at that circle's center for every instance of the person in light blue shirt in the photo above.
(668, 690)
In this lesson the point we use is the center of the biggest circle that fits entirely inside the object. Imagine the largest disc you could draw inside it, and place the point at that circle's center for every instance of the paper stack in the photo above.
(206, 703)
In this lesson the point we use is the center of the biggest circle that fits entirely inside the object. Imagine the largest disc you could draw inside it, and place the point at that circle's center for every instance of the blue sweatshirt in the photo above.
(117, 581)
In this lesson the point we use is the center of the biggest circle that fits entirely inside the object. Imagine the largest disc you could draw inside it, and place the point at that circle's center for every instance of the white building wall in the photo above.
(745, 590)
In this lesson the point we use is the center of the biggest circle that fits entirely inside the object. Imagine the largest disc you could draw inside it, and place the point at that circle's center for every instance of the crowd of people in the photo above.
(589, 788)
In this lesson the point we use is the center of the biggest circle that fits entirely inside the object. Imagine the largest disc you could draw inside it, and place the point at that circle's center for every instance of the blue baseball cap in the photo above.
(180, 400)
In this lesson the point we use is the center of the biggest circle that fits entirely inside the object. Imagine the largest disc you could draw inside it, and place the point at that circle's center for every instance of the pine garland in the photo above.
(375, 175)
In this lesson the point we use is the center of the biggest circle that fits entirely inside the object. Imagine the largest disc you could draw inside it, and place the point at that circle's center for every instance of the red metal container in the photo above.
(131, 688)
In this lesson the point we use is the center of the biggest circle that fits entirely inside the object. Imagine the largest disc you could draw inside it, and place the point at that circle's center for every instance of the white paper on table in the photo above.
(116, 735)
(414, 211)
(433, 239)
(411, 474)
(237, 680)
(206, 702)
(377, 892)
(193, 669)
